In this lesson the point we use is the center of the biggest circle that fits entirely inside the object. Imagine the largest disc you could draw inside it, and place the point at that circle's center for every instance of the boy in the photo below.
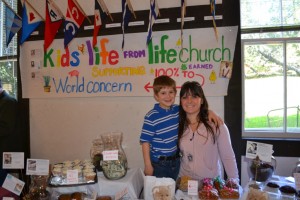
(159, 135)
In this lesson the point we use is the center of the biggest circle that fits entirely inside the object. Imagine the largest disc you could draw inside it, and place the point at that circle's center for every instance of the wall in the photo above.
(63, 129)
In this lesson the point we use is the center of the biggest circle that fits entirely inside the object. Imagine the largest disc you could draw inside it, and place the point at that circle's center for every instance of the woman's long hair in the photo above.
(193, 88)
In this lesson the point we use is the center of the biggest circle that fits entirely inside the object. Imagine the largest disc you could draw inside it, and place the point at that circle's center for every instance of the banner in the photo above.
(106, 70)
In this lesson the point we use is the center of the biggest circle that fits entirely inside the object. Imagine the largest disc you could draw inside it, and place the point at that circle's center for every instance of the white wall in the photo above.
(63, 129)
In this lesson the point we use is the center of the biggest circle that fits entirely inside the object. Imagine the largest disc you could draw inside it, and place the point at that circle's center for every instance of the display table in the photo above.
(133, 182)
(273, 193)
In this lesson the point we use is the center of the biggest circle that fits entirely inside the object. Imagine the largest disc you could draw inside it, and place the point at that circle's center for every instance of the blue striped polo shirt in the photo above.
(160, 129)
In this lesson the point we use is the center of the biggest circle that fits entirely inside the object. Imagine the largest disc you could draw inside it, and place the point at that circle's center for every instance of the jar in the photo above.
(114, 168)
(96, 153)
(262, 171)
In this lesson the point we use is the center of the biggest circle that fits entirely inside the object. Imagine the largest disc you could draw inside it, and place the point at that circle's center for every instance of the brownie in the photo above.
(288, 189)
(273, 185)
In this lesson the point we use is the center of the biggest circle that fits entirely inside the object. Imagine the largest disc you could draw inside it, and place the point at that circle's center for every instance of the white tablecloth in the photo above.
(133, 182)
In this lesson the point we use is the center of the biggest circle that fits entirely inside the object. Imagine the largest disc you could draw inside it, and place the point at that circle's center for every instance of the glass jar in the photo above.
(262, 171)
(114, 168)
(96, 153)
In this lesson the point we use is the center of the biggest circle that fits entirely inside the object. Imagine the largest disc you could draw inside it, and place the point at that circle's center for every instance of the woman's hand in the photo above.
(213, 117)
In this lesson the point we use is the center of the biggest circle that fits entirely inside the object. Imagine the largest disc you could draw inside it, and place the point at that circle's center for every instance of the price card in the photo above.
(110, 155)
(37, 167)
(72, 176)
(13, 184)
(192, 187)
(13, 160)
(264, 151)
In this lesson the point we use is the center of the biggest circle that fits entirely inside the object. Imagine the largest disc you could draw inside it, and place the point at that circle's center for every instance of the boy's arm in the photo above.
(147, 161)
(213, 117)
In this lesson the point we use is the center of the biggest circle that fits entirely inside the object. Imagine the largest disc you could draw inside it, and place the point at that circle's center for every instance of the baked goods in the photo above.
(219, 183)
(57, 171)
(207, 182)
(288, 189)
(255, 194)
(208, 192)
(90, 176)
(77, 196)
(229, 193)
(65, 197)
(104, 198)
(183, 183)
(232, 183)
(272, 185)
(73, 196)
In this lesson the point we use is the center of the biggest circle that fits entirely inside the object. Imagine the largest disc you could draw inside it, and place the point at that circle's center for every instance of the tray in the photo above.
(58, 181)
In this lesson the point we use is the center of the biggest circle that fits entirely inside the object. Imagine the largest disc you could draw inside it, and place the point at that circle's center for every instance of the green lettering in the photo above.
(47, 56)
(171, 56)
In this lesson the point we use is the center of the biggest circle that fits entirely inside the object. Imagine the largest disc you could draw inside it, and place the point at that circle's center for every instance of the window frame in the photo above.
(267, 133)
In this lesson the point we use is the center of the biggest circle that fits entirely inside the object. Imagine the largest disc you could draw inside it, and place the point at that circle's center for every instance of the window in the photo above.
(271, 68)
(8, 58)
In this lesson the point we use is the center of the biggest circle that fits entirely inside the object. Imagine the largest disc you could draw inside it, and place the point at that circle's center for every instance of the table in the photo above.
(133, 182)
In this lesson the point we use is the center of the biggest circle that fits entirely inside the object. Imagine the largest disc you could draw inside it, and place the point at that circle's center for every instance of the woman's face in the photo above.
(191, 104)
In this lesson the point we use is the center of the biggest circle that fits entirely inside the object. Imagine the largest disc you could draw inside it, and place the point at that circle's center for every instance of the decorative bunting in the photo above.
(126, 13)
(213, 13)
(154, 13)
(54, 19)
(31, 19)
(98, 17)
(105, 9)
(74, 19)
(13, 23)
(183, 12)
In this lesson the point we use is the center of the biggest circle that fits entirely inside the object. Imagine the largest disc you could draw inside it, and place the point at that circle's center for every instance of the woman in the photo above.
(204, 145)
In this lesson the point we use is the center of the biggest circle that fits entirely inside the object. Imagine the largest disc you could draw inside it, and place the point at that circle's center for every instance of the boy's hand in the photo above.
(148, 170)
(213, 117)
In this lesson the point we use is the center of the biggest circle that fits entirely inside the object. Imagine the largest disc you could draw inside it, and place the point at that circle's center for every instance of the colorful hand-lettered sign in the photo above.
(106, 70)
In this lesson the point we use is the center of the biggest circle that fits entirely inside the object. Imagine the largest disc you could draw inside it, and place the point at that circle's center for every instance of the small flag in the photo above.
(30, 21)
(13, 24)
(54, 19)
(126, 13)
(213, 13)
(183, 12)
(98, 17)
(154, 12)
(73, 21)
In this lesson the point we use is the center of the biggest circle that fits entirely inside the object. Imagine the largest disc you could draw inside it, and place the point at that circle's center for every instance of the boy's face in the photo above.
(165, 97)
